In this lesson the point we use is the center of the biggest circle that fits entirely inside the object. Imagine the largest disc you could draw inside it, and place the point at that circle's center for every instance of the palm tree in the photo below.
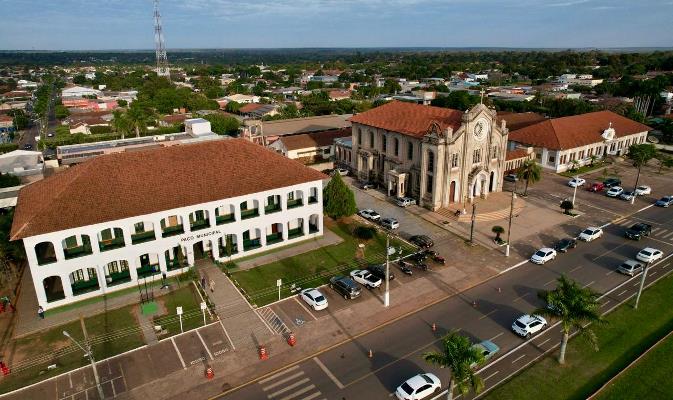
(531, 172)
(640, 154)
(576, 307)
(458, 355)
(665, 162)
(592, 159)
(137, 118)
(498, 230)
(567, 205)
(575, 164)
(121, 123)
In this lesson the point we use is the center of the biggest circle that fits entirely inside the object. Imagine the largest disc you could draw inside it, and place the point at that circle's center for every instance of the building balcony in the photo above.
(312, 199)
(173, 264)
(251, 244)
(223, 251)
(111, 244)
(81, 287)
(200, 224)
(142, 237)
(252, 213)
(224, 219)
(79, 251)
(172, 230)
(274, 238)
(117, 278)
(312, 228)
(295, 232)
(294, 203)
(147, 270)
(271, 208)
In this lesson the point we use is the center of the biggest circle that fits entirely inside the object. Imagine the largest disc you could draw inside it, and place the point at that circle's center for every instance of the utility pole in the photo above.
(88, 353)
(386, 296)
(509, 226)
(160, 47)
(575, 190)
(642, 284)
(474, 215)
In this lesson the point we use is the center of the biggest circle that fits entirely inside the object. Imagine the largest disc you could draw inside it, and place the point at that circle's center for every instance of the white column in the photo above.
(284, 229)
(262, 236)
(215, 249)
(67, 289)
(127, 236)
(162, 262)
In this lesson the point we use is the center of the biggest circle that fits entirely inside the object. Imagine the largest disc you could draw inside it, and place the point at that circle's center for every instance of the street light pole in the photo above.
(474, 214)
(509, 226)
(642, 284)
(88, 353)
(386, 296)
(575, 191)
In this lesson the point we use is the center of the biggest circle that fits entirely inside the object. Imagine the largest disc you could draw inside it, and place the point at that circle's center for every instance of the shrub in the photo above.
(364, 232)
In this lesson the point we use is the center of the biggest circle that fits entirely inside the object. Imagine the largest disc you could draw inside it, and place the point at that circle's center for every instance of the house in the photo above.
(266, 132)
(309, 148)
(242, 98)
(258, 110)
(335, 95)
(436, 155)
(79, 91)
(84, 238)
(6, 122)
(563, 142)
(22, 163)
(343, 152)
(80, 127)
(173, 119)
(25, 84)
(16, 95)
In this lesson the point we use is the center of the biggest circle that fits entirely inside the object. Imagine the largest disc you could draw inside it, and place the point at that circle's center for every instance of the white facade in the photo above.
(209, 228)
(79, 91)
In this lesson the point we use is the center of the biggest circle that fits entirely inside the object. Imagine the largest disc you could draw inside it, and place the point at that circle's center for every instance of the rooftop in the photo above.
(314, 139)
(129, 184)
(302, 125)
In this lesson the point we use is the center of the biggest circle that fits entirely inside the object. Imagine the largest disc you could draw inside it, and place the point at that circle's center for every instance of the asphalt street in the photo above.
(483, 312)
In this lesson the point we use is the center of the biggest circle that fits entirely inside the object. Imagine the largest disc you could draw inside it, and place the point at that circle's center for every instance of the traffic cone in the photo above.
(291, 340)
(209, 373)
(262, 353)
(370, 354)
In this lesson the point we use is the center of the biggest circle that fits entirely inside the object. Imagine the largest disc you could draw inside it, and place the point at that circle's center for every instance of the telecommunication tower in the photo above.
(162, 60)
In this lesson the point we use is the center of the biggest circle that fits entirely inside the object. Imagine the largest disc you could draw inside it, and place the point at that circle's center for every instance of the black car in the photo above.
(610, 182)
(565, 244)
(421, 241)
(345, 286)
(637, 231)
(379, 271)
(27, 146)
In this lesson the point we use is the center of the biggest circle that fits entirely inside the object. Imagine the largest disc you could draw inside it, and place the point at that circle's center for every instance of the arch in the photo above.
(273, 204)
(199, 219)
(45, 253)
(53, 288)
(452, 192)
(172, 225)
(142, 232)
(175, 258)
(110, 239)
(431, 162)
(82, 281)
(252, 239)
(274, 233)
(314, 223)
(116, 272)
(396, 147)
(228, 245)
(295, 199)
(371, 139)
(295, 228)
(249, 209)
(76, 246)
(147, 265)
(225, 214)
(492, 183)
(313, 195)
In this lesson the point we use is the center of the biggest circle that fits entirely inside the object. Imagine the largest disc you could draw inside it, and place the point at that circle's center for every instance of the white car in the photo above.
(649, 255)
(643, 190)
(314, 298)
(418, 387)
(614, 191)
(543, 255)
(590, 234)
(365, 278)
(390, 223)
(628, 196)
(405, 201)
(577, 182)
(370, 214)
(342, 171)
(527, 325)
(630, 267)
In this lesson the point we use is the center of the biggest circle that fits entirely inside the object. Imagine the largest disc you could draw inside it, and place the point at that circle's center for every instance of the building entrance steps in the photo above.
(493, 208)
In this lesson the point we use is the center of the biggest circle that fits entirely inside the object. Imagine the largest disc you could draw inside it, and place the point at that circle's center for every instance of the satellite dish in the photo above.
(653, 139)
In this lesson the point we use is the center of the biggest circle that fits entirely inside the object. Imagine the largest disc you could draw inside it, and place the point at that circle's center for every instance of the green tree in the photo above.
(498, 230)
(122, 103)
(9, 180)
(61, 112)
(530, 172)
(232, 107)
(458, 356)
(79, 79)
(121, 123)
(458, 100)
(567, 205)
(338, 198)
(640, 154)
(223, 125)
(576, 307)
(574, 164)
(137, 118)
(665, 162)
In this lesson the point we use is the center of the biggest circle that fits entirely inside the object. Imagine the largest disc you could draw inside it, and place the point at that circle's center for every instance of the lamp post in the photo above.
(474, 214)
(87, 352)
(642, 284)
(575, 190)
(509, 226)
(386, 295)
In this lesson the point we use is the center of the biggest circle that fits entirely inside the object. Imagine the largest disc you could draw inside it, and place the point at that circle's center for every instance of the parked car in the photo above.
(369, 214)
(614, 191)
(630, 267)
(390, 223)
(597, 187)
(27, 146)
(418, 387)
(543, 255)
(368, 185)
(422, 241)
(590, 234)
(314, 298)
(576, 182)
(487, 349)
(379, 271)
(643, 190)
(511, 178)
(610, 182)
(665, 202)
(566, 244)
(365, 278)
(405, 201)
(649, 255)
(341, 171)
(637, 231)
(527, 325)
(344, 286)
(628, 196)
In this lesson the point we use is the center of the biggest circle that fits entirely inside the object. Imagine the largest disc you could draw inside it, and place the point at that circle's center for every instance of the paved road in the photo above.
(484, 312)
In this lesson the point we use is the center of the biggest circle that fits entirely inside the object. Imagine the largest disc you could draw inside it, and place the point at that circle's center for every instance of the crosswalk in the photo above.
(290, 384)
(658, 233)
(273, 320)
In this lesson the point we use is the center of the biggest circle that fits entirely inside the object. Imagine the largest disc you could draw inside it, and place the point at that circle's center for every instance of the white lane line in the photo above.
(660, 232)
(589, 284)
(653, 273)
(204, 345)
(519, 358)
(328, 373)
(298, 392)
(656, 229)
(227, 334)
(487, 314)
(636, 283)
(263, 321)
(550, 282)
(182, 361)
(543, 342)
(492, 375)
(305, 309)
(70, 379)
(311, 396)
(622, 292)
(289, 387)
(520, 297)
(274, 376)
(513, 266)
(496, 336)
(665, 265)
(610, 272)
(576, 268)
(667, 236)
(284, 380)
(605, 303)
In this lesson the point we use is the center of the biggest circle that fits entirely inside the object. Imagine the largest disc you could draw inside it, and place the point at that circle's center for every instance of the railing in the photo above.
(223, 219)
(200, 224)
(79, 251)
(117, 278)
(111, 244)
(147, 270)
(223, 251)
(172, 230)
(251, 244)
(312, 199)
(81, 287)
(295, 232)
(253, 212)
(42, 260)
(173, 264)
(142, 237)
(294, 203)
(274, 238)
(312, 228)
(271, 208)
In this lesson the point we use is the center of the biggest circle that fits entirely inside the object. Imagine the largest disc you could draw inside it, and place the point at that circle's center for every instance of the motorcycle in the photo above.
(405, 267)
(422, 266)
(435, 257)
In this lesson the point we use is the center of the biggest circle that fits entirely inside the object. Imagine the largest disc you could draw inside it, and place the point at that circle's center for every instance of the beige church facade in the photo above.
(436, 155)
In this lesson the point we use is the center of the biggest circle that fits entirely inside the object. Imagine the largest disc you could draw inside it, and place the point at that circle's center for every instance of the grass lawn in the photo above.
(650, 378)
(584, 169)
(192, 317)
(627, 334)
(314, 268)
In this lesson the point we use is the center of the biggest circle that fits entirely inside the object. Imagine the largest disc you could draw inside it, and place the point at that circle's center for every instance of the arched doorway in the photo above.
(452, 192)
(491, 184)
(53, 288)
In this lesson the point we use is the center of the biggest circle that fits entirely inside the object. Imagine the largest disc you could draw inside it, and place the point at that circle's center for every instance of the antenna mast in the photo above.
(162, 60)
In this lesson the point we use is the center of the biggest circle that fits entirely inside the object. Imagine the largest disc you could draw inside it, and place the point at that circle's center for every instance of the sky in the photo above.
(128, 24)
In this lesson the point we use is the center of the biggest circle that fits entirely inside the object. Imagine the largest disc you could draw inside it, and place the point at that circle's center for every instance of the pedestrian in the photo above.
(212, 285)
(40, 312)
(203, 282)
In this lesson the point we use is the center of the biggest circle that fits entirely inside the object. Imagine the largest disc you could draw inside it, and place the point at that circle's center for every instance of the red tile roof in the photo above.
(516, 154)
(248, 108)
(576, 131)
(124, 185)
(409, 118)
(515, 121)
(314, 139)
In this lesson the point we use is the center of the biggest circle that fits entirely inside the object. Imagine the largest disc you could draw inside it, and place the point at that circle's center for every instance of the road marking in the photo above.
(550, 282)
(667, 236)
(610, 272)
(660, 241)
(227, 334)
(589, 284)
(622, 292)
(298, 392)
(496, 336)
(284, 380)
(519, 358)
(487, 314)
(204, 345)
(329, 373)
(311, 396)
(666, 265)
(659, 232)
(605, 303)
(182, 361)
(274, 376)
(513, 266)
(264, 321)
(637, 282)
(579, 266)
(653, 273)
(306, 309)
(492, 375)
(289, 387)
(543, 342)
(520, 297)
(70, 379)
